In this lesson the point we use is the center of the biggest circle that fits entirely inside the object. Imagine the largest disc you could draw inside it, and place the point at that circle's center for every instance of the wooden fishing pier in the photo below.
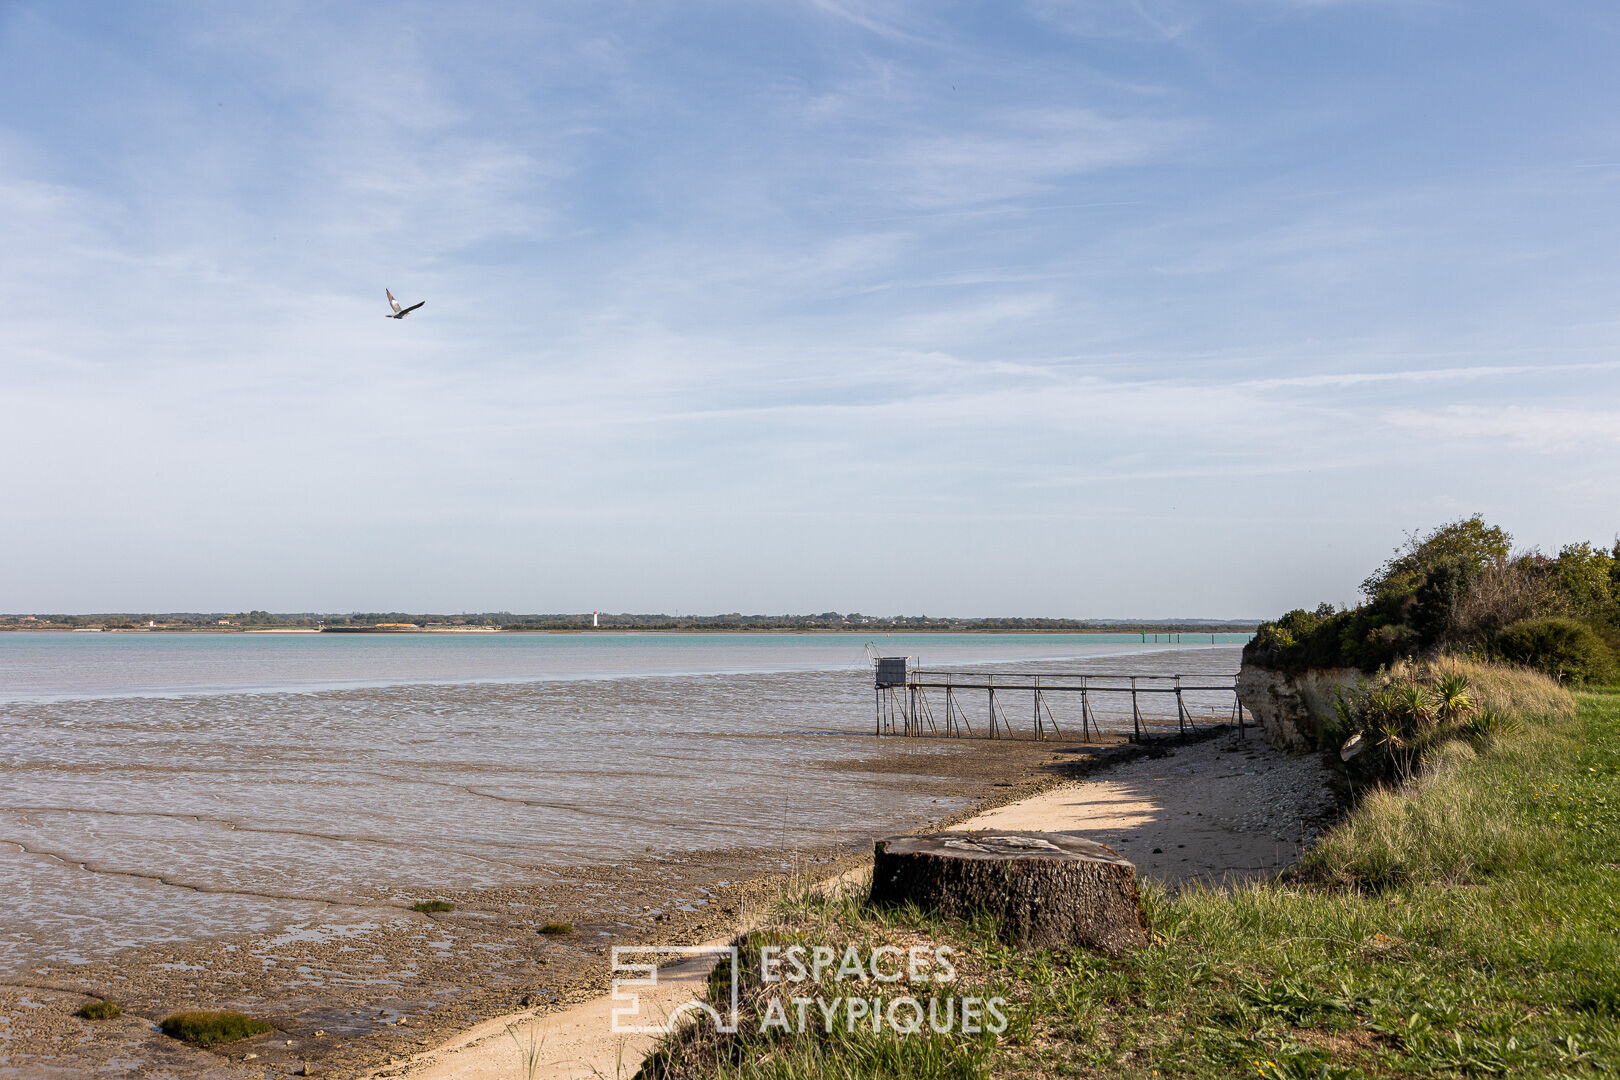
(906, 696)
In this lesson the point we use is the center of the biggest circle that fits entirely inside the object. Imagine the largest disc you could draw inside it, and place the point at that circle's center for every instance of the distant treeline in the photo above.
(505, 620)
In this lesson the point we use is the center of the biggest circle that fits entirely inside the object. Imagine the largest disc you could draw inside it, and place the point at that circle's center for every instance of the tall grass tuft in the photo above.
(532, 1051)
(205, 1028)
(1518, 691)
(1454, 820)
(100, 1010)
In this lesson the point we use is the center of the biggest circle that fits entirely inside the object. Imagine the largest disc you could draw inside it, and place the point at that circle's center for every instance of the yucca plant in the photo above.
(1380, 706)
(1416, 707)
(1397, 748)
(1454, 701)
(1400, 719)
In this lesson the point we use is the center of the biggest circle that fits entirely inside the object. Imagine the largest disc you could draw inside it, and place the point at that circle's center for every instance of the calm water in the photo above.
(153, 785)
(54, 666)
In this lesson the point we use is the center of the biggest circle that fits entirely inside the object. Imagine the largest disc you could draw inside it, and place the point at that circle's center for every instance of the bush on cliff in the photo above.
(1454, 589)
(1451, 553)
(1563, 648)
(1361, 637)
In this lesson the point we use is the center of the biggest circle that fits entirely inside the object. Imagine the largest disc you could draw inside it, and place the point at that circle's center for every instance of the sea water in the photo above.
(155, 785)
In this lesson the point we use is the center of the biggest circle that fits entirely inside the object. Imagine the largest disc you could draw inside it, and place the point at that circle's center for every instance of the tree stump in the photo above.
(1047, 888)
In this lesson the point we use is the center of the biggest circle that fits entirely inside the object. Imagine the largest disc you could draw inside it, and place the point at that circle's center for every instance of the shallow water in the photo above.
(53, 666)
(158, 788)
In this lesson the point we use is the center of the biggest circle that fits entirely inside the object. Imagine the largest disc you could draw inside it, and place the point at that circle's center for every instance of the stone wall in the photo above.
(1290, 707)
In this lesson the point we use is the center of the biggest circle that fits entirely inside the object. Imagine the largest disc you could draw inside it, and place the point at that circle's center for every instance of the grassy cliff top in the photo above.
(1463, 924)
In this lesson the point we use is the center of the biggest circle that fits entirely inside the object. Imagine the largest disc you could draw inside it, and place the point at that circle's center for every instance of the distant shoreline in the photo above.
(1160, 629)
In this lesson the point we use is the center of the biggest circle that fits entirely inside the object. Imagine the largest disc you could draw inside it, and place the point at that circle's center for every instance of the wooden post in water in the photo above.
(1136, 713)
(1039, 733)
(1050, 719)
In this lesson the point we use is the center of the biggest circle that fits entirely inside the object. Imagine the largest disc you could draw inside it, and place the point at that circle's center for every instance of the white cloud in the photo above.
(1537, 428)
(1016, 154)
(1131, 20)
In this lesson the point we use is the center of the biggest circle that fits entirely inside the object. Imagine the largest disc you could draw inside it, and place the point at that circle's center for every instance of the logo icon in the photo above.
(639, 964)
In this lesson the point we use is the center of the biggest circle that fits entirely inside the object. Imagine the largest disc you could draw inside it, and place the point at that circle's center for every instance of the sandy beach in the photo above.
(1221, 810)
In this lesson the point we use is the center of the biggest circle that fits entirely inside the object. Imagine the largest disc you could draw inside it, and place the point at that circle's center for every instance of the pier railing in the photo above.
(907, 696)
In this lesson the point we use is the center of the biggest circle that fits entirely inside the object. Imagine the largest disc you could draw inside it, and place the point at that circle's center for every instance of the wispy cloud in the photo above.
(1541, 429)
(1133, 20)
(1016, 155)
(858, 281)
(874, 18)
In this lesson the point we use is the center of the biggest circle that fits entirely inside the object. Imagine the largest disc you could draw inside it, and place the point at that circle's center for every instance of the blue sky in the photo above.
(1104, 309)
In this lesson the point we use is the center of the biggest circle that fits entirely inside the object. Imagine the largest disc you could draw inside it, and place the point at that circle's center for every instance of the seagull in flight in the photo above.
(399, 312)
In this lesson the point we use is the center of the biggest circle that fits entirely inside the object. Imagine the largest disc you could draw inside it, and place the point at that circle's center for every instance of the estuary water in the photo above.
(156, 788)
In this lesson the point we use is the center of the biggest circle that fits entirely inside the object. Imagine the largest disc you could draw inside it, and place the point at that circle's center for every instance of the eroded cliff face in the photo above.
(1290, 706)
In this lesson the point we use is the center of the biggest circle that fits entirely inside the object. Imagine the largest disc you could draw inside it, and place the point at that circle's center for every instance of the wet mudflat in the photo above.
(357, 984)
(262, 851)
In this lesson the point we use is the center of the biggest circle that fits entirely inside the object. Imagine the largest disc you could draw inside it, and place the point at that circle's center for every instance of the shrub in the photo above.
(1459, 588)
(433, 907)
(205, 1028)
(1586, 576)
(100, 1010)
(1463, 548)
(1387, 726)
(556, 929)
(1504, 593)
(1563, 648)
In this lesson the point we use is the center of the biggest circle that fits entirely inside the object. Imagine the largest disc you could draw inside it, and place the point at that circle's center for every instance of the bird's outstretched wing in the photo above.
(412, 308)
(391, 301)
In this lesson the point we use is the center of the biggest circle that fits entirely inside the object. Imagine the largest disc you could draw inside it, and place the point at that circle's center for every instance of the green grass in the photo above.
(433, 907)
(100, 1010)
(556, 929)
(1464, 926)
(204, 1028)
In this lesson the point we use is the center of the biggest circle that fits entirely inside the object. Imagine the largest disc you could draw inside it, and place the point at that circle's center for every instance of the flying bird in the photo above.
(399, 312)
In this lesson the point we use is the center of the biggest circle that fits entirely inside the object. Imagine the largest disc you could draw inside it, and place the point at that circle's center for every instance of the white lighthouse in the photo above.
(596, 619)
